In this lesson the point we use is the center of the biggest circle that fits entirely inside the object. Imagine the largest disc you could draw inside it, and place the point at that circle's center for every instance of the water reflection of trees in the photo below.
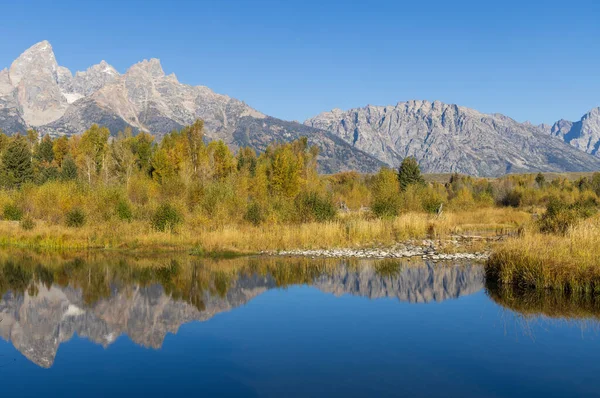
(192, 279)
(556, 304)
(183, 277)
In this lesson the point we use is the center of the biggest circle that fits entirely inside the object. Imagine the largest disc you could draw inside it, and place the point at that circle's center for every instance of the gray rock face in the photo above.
(6, 87)
(450, 138)
(93, 79)
(583, 135)
(34, 77)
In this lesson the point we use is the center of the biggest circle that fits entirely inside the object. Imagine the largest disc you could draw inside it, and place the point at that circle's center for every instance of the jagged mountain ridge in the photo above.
(583, 134)
(451, 138)
(37, 325)
(35, 92)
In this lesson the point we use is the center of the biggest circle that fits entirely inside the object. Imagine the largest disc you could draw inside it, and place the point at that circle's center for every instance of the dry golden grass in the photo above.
(346, 231)
(570, 262)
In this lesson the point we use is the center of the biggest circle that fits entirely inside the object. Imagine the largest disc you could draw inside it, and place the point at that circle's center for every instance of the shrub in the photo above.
(52, 200)
(27, 223)
(254, 214)
(385, 207)
(595, 183)
(432, 199)
(587, 204)
(123, 210)
(141, 190)
(12, 212)
(171, 188)
(312, 207)
(166, 217)
(217, 199)
(75, 218)
(410, 199)
(386, 193)
(195, 194)
(485, 199)
(463, 200)
(561, 216)
(540, 180)
(512, 198)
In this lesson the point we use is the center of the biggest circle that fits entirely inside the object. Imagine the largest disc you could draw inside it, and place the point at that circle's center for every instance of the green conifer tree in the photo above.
(409, 173)
(540, 180)
(69, 169)
(44, 152)
(16, 163)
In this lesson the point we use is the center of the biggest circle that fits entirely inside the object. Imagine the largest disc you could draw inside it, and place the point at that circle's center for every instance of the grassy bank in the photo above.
(350, 230)
(569, 262)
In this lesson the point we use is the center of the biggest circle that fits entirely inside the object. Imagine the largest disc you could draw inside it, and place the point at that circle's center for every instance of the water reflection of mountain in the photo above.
(44, 307)
(37, 325)
(415, 284)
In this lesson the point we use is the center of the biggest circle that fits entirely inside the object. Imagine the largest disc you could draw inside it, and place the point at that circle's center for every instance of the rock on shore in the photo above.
(426, 249)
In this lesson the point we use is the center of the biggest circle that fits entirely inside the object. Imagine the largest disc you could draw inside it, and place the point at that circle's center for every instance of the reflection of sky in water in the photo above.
(374, 336)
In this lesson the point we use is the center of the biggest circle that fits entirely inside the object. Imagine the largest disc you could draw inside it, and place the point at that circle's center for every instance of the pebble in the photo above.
(426, 251)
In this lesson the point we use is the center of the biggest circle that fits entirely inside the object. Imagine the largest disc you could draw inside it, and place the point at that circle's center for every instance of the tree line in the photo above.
(181, 173)
(183, 179)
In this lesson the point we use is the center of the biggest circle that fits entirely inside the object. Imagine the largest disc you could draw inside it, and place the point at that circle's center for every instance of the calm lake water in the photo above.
(94, 326)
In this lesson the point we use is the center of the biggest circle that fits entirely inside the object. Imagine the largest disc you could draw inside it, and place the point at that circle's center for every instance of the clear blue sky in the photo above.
(531, 60)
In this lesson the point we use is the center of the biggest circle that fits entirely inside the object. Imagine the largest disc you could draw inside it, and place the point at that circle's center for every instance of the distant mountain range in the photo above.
(35, 92)
(451, 138)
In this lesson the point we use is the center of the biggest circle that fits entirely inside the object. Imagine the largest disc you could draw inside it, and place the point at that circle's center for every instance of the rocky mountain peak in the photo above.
(35, 78)
(93, 79)
(102, 68)
(38, 59)
(173, 78)
(583, 134)
(151, 67)
(545, 127)
(594, 113)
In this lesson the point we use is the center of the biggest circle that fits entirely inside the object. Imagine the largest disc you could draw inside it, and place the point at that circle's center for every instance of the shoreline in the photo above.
(427, 249)
(462, 247)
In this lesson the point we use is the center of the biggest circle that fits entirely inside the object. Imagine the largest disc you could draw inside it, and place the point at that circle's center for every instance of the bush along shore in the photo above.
(131, 192)
(568, 261)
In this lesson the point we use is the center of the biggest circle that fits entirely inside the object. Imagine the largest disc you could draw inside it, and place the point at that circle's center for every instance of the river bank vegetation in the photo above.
(132, 192)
